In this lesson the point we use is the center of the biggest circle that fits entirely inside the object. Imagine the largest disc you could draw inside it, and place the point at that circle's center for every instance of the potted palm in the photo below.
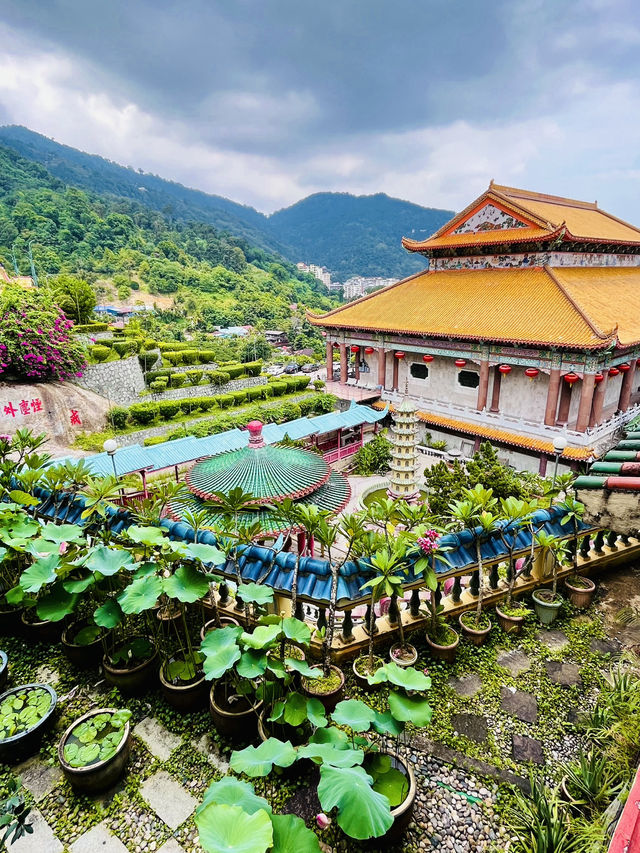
(547, 602)
(441, 638)
(516, 515)
(581, 589)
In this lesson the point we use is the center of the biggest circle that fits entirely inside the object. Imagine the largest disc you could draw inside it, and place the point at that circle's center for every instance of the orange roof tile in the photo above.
(504, 305)
(552, 214)
(502, 436)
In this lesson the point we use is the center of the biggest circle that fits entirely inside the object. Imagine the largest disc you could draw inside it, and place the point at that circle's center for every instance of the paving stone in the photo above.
(466, 686)
(41, 839)
(470, 725)
(605, 647)
(527, 749)
(46, 675)
(38, 777)
(519, 704)
(168, 798)
(515, 662)
(159, 740)
(554, 640)
(171, 846)
(566, 674)
(98, 840)
(209, 748)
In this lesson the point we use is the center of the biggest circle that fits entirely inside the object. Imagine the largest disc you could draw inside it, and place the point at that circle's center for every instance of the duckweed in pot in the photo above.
(20, 712)
(96, 739)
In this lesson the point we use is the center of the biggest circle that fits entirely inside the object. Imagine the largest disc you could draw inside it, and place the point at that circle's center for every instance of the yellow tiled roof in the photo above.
(502, 436)
(581, 219)
(520, 305)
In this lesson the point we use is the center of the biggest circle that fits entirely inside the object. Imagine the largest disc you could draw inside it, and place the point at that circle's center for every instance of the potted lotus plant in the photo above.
(94, 750)
(25, 713)
(442, 639)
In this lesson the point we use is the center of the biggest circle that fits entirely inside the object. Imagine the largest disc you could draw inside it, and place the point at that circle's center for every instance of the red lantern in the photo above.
(336, 345)
(427, 359)
(613, 371)
(531, 372)
(460, 362)
(624, 367)
(355, 348)
(570, 378)
(598, 378)
(504, 369)
(368, 350)
(399, 354)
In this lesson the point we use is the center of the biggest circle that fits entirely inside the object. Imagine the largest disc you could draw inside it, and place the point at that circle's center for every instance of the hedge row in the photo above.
(90, 328)
(215, 377)
(143, 414)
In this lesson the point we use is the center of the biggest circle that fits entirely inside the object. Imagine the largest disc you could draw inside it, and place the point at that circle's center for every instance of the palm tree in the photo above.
(573, 513)
(555, 546)
(390, 567)
(230, 506)
(516, 514)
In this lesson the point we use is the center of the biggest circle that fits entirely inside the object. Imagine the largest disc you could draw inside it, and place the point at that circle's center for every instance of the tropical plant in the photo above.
(573, 511)
(538, 822)
(592, 781)
(14, 813)
(390, 567)
(516, 515)
(554, 547)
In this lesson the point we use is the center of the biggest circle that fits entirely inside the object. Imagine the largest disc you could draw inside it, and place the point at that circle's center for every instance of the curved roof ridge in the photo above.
(595, 329)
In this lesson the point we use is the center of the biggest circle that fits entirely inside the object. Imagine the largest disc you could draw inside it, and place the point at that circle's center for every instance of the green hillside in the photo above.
(351, 235)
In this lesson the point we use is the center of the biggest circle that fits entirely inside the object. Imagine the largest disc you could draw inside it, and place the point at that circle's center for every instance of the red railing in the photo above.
(341, 453)
(626, 838)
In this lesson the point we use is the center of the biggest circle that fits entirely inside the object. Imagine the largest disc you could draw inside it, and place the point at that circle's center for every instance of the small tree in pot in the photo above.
(547, 602)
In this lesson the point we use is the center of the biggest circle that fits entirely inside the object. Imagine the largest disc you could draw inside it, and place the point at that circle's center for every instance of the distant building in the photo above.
(357, 285)
(321, 273)
(122, 315)
(233, 332)
(24, 280)
(276, 337)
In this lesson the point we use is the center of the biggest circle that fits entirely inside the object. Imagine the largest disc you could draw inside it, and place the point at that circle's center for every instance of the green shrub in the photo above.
(194, 376)
(373, 457)
(173, 346)
(279, 388)
(218, 377)
(254, 393)
(253, 368)
(163, 373)
(173, 358)
(167, 409)
(147, 359)
(190, 357)
(143, 413)
(225, 401)
(89, 328)
(235, 371)
(117, 417)
(306, 406)
(207, 403)
(99, 353)
(291, 411)
(124, 348)
(155, 439)
(239, 396)
(178, 380)
(149, 343)
(267, 391)
(158, 386)
(206, 356)
(319, 384)
(188, 405)
(324, 403)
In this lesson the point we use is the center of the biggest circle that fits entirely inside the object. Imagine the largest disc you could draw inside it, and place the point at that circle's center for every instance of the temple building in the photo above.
(525, 328)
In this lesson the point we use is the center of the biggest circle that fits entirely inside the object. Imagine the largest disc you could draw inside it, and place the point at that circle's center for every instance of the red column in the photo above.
(627, 387)
(301, 543)
(483, 388)
(565, 404)
(344, 364)
(382, 367)
(356, 358)
(598, 400)
(395, 372)
(552, 397)
(586, 401)
(495, 394)
(542, 468)
(329, 361)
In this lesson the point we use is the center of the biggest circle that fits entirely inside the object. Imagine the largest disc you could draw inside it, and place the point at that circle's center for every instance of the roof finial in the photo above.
(255, 434)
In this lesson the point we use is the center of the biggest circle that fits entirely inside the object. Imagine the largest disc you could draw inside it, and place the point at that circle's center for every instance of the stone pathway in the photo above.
(605, 647)
(38, 778)
(98, 840)
(158, 740)
(467, 686)
(41, 839)
(471, 726)
(565, 674)
(519, 704)
(527, 749)
(554, 640)
(515, 662)
(168, 798)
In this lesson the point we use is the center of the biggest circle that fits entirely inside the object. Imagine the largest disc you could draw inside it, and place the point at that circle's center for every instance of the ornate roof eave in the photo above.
(424, 247)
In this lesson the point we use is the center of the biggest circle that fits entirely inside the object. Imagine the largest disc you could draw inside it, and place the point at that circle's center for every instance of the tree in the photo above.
(75, 296)
(255, 349)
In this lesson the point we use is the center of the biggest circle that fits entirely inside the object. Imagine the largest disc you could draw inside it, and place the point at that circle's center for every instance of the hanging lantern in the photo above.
(613, 371)
(427, 359)
(368, 350)
(598, 378)
(570, 378)
(531, 372)
(355, 348)
(336, 345)
(460, 362)
(399, 354)
(624, 367)
(504, 369)
(324, 334)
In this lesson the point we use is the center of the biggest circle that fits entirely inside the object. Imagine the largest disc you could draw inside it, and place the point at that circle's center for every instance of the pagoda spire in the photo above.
(404, 451)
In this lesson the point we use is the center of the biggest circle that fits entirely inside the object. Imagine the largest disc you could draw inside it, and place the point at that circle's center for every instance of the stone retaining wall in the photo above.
(188, 391)
(119, 381)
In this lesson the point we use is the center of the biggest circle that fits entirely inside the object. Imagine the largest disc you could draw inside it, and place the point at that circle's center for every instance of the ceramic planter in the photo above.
(27, 742)
(547, 611)
(211, 625)
(409, 654)
(444, 653)
(237, 721)
(83, 656)
(329, 700)
(41, 631)
(132, 680)
(361, 680)
(401, 814)
(509, 624)
(103, 774)
(11, 621)
(580, 594)
(475, 635)
(184, 697)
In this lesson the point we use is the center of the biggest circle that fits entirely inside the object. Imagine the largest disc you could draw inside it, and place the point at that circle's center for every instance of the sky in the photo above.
(268, 101)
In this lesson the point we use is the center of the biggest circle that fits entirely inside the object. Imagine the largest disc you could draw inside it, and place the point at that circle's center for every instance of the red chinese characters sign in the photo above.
(24, 407)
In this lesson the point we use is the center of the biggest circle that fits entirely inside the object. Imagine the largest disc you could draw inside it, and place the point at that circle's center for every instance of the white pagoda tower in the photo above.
(404, 453)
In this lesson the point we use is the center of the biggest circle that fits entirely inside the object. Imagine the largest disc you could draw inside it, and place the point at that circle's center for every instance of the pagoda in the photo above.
(404, 453)
(524, 327)
(269, 473)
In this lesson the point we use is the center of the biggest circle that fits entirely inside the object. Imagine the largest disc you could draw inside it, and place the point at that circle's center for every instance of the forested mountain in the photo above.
(211, 277)
(351, 235)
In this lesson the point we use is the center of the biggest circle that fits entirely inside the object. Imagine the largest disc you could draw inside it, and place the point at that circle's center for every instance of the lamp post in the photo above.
(110, 446)
(559, 444)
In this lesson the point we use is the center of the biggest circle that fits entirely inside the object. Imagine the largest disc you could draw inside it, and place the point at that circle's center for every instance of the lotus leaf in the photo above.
(302, 667)
(290, 835)
(296, 630)
(187, 584)
(362, 812)
(262, 637)
(95, 739)
(316, 713)
(40, 573)
(109, 614)
(410, 708)
(204, 553)
(62, 533)
(141, 594)
(147, 535)
(78, 585)
(331, 735)
(355, 714)
(109, 561)
(392, 783)
(327, 753)
(254, 593)
(386, 724)
(407, 677)
(222, 828)
(253, 663)
(185, 668)
(230, 791)
(56, 604)
(87, 635)
(259, 760)
(221, 651)
(86, 732)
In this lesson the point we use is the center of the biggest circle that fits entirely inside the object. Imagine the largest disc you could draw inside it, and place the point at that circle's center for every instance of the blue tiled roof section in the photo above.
(261, 564)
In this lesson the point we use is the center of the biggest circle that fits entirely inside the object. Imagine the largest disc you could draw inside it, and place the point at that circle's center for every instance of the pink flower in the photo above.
(322, 820)
(63, 548)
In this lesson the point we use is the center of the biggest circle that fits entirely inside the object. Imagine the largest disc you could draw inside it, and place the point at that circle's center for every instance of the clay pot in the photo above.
(26, 743)
(509, 624)
(410, 652)
(211, 625)
(103, 774)
(444, 653)
(132, 680)
(82, 656)
(547, 611)
(361, 680)
(580, 595)
(401, 814)
(184, 697)
(240, 722)
(329, 700)
(476, 635)
(41, 631)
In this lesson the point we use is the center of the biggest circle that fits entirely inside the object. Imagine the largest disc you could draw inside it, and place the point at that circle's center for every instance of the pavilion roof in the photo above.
(540, 218)
(572, 307)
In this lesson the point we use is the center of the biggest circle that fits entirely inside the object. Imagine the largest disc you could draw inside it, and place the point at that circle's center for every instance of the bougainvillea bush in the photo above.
(35, 338)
